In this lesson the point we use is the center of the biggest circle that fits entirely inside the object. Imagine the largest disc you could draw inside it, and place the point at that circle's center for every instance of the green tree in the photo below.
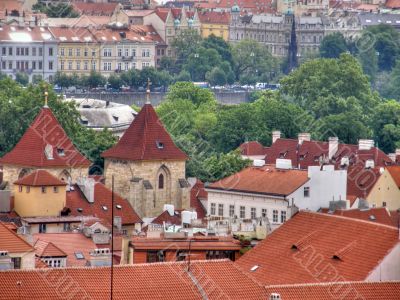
(216, 77)
(36, 78)
(188, 91)
(252, 60)
(131, 78)
(223, 48)
(62, 80)
(185, 43)
(183, 76)
(95, 79)
(391, 86)
(60, 10)
(201, 62)
(333, 45)
(369, 62)
(115, 81)
(386, 125)
(22, 78)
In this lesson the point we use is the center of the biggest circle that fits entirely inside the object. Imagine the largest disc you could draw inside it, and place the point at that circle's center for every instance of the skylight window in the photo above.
(105, 208)
(60, 152)
(79, 255)
(79, 209)
(118, 206)
(254, 268)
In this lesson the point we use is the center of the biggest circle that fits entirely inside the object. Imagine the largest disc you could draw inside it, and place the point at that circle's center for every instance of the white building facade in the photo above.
(29, 50)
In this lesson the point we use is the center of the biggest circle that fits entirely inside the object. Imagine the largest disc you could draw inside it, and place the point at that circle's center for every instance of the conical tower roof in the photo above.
(45, 144)
(146, 139)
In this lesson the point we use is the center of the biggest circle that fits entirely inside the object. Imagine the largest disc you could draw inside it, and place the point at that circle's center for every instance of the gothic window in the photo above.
(161, 181)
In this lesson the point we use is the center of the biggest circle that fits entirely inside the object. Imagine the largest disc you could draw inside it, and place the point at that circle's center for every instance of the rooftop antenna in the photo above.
(46, 94)
(148, 91)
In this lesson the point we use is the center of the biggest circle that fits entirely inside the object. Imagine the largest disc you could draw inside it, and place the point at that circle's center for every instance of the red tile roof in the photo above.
(352, 248)
(379, 215)
(252, 148)
(395, 173)
(219, 279)
(338, 290)
(102, 198)
(197, 193)
(392, 4)
(146, 139)
(40, 178)
(214, 17)
(69, 243)
(11, 242)
(45, 130)
(265, 180)
(76, 34)
(98, 8)
(176, 219)
(309, 153)
(47, 249)
(196, 243)
(360, 182)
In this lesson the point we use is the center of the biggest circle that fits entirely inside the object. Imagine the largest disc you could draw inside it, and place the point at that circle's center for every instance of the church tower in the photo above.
(44, 146)
(148, 168)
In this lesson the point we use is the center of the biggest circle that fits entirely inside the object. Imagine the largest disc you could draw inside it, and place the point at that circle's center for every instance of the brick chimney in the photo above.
(333, 146)
(275, 135)
(304, 136)
(365, 144)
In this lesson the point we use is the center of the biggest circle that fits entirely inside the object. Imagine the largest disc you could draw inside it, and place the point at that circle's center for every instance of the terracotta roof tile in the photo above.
(176, 219)
(214, 17)
(87, 8)
(45, 130)
(263, 180)
(47, 249)
(40, 178)
(360, 182)
(146, 139)
(11, 242)
(68, 243)
(395, 173)
(197, 193)
(338, 290)
(102, 198)
(281, 257)
(379, 215)
(392, 4)
(219, 279)
(252, 148)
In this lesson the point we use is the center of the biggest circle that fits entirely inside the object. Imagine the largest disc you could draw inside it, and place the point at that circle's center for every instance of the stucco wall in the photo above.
(388, 268)
(385, 190)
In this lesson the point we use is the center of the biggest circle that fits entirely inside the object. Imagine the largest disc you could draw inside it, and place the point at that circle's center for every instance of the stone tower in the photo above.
(45, 146)
(148, 168)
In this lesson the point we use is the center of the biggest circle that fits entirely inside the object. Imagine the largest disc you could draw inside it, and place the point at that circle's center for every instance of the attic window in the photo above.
(79, 209)
(254, 268)
(86, 106)
(336, 257)
(118, 206)
(115, 118)
(84, 121)
(104, 207)
(372, 217)
(48, 151)
(316, 158)
(294, 247)
(160, 145)
(79, 255)
(60, 152)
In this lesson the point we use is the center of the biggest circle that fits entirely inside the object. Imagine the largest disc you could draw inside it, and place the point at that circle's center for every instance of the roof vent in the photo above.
(275, 296)
(105, 208)
(79, 209)
(372, 217)
(118, 206)
(254, 268)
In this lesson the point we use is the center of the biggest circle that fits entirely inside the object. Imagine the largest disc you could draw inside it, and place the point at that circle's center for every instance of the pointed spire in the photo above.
(46, 95)
(148, 91)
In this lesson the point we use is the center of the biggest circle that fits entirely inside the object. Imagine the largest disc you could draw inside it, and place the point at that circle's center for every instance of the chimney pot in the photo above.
(333, 146)
(304, 136)
(365, 144)
(275, 135)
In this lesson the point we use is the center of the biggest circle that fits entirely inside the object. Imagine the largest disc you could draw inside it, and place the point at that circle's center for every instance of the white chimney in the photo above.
(304, 136)
(170, 208)
(392, 157)
(87, 187)
(333, 146)
(275, 135)
(398, 152)
(364, 144)
(369, 164)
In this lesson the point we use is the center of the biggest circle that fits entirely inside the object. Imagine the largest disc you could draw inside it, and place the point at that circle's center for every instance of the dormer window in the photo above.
(48, 151)
(160, 145)
(60, 152)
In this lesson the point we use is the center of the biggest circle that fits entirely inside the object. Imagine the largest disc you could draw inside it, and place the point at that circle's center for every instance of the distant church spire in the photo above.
(292, 51)
(148, 91)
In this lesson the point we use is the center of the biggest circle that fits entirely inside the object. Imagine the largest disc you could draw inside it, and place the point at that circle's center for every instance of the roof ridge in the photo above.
(348, 219)
(328, 283)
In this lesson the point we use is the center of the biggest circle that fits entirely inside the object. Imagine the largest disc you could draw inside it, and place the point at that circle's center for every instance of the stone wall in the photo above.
(11, 173)
(145, 197)
(139, 98)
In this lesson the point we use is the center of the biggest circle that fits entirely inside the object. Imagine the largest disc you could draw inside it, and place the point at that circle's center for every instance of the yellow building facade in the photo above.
(39, 194)
(214, 23)
(385, 192)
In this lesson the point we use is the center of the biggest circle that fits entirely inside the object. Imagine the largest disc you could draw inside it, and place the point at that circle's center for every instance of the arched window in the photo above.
(161, 181)
(23, 173)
